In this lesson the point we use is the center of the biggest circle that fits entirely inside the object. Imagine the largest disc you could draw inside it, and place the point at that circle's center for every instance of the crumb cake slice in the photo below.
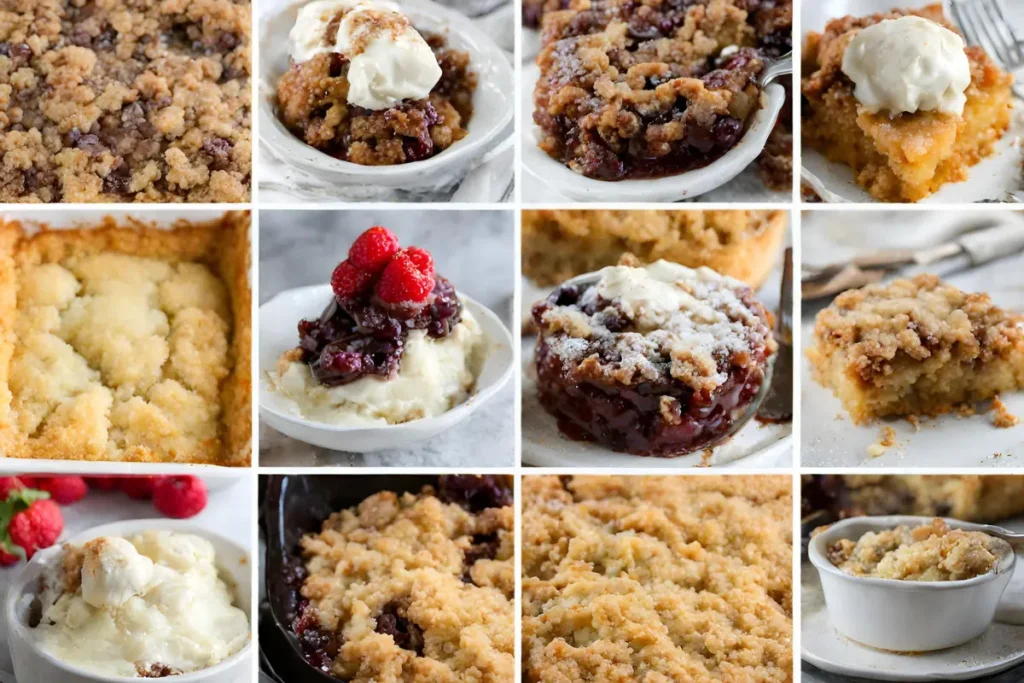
(126, 342)
(657, 579)
(660, 360)
(915, 347)
(561, 244)
(910, 156)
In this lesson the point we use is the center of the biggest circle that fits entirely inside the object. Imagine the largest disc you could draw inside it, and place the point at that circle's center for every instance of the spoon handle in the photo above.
(782, 66)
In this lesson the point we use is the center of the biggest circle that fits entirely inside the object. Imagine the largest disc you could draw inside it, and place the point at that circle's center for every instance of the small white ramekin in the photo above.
(906, 616)
(493, 106)
(33, 665)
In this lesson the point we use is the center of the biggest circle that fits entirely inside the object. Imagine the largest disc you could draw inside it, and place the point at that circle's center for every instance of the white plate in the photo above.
(756, 445)
(991, 178)
(277, 320)
(997, 650)
(830, 439)
(673, 188)
(492, 103)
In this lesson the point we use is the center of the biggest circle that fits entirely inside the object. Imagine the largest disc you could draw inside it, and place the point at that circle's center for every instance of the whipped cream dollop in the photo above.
(435, 376)
(907, 65)
(389, 61)
(150, 605)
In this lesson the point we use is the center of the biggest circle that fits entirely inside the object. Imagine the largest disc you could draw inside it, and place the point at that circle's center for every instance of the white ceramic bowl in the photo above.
(673, 188)
(492, 104)
(278, 318)
(33, 665)
(906, 616)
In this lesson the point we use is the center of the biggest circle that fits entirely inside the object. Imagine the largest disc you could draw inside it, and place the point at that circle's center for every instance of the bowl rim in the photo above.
(457, 413)
(577, 187)
(816, 554)
(489, 55)
(25, 575)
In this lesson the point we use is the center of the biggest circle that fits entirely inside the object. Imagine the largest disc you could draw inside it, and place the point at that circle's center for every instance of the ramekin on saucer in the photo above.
(493, 108)
(668, 189)
(33, 665)
(277, 320)
(906, 616)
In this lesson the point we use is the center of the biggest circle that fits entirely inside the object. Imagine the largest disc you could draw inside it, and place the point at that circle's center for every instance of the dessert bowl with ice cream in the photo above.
(402, 96)
(387, 354)
(139, 599)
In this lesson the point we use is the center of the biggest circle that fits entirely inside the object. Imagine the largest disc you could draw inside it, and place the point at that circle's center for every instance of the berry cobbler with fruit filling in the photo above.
(116, 101)
(365, 86)
(393, 344)
(412, 588)
(652, 88)
(660, 360)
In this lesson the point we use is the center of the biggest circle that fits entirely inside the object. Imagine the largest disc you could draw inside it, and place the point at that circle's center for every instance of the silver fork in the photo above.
(984, 23)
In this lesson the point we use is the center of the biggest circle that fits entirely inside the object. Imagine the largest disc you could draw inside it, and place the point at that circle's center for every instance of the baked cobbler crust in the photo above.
(561, 244)
(908, 157)
(127, 342)
(915, 346)
(657, 579)
(106, 101)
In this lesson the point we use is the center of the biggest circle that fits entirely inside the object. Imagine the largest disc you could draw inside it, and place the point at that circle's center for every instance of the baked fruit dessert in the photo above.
(393, 344)
(660, 360)
(972, 498)
(116, 101)
(561, 244)
(365, 86)
(127, 342)
(930, 552)
(915, 347)
(646, 578)
(647, 89)
(907, 130)
(412, 588)
(150, 606)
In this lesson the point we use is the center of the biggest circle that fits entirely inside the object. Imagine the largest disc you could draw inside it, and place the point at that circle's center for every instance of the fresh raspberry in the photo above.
(422, 258)
(8, 484)
(403, 282)
(347, 280)
(139, 488)
(29, 480)
(180, 497)
(7, 559)
(64, 490)
(37, 527)
(102, 483)
(373, 250)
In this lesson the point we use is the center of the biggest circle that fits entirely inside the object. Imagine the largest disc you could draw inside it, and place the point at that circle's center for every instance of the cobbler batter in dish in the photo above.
(657, 579)
(933, 552)
(116, 101)
(413, 588)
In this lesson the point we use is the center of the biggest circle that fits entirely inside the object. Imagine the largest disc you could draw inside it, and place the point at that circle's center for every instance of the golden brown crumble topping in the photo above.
(644, 578)
(126, 343)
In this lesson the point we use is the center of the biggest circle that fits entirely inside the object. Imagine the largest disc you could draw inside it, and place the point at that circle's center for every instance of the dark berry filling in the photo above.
(360, 335)
(406, 634)
(473, 493)
(485, 547)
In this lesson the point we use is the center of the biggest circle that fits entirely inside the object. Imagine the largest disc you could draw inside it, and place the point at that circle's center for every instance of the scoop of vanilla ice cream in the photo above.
(113, 571)
(907, 65)
(389, 61)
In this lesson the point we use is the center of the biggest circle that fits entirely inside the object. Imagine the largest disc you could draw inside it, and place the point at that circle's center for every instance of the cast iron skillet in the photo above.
(294, 506)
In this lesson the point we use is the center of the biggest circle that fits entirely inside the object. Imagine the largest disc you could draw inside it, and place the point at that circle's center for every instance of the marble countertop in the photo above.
(473, 249)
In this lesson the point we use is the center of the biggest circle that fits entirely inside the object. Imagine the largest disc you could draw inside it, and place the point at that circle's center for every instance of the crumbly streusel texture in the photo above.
(972, 498)
(408, 553)
(915, 346)
(657, 579)
(932, 552)
(109, 101)
(560, 244)
(126, 343)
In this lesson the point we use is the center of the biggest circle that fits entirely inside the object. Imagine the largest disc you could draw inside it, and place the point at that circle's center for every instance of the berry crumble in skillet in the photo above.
(393, 344)
(648, 88)
(660, 360)
(116, 101)
(412, 588)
